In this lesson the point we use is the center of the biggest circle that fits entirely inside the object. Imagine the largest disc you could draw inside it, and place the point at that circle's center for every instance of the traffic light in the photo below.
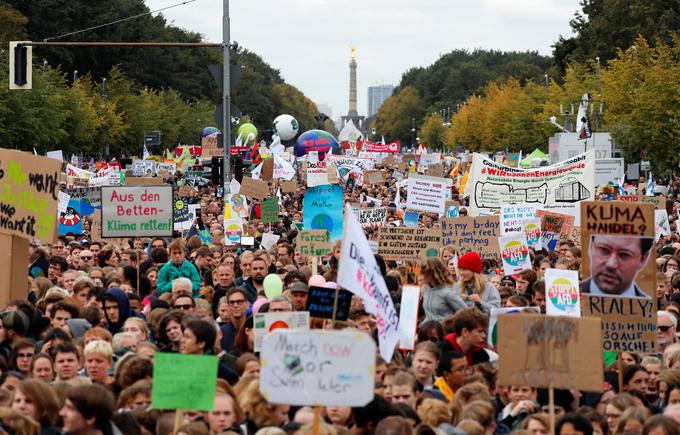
(20, 65)
(216, 174)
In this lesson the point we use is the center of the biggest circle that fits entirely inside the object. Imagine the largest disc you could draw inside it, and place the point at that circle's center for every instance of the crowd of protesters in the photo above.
(76, 354)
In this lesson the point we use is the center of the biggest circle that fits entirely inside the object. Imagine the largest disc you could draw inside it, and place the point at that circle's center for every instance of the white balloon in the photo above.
(285, 126)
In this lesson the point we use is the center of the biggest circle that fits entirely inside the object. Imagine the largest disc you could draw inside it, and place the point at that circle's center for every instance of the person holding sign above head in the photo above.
(615, 262)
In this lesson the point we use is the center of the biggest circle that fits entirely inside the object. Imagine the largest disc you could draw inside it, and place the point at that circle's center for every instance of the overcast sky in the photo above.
(308, 40)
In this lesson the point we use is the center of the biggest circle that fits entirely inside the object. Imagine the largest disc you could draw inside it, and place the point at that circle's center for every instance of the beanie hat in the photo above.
(470, 261)
(78, 327)
(17, 321)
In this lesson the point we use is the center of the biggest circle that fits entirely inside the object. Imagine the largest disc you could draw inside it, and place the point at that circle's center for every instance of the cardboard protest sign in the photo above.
(544, 351)
(251, 188)
(426, 193)
(373, 177)
(30, 190)
(184, 382)
(144, 181)
(313, 243)
(322, 209)
(408, 243)
(552, 225)
(619, 273)
(532, 230)
(321, 300)
(658, 201)
(210, 146)
(268, 169)
(327, 368)
(492, 334)
(512, 215)
(270, 209)
(435, 170)
(332, 174)
(265, 323)
(372, 217)
(408, 316)
(558, 187)
(137, 211)
(288, 186)
(514, 252)
(465, 234)
(661, 225)
(562, 293)
(574, 235)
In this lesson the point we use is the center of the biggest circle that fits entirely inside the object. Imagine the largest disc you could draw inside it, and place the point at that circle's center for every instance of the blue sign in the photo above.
(322, 209)
(71, 221)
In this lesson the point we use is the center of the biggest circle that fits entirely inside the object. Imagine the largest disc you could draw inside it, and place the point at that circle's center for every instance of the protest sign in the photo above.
(617, 240)
(137, 211)
(347, 165)
(411, 218)
(426, 193)
(559, 187)
(513, 214)
(321, 302)
(435, 170)
(185, 382)
(71, 220)
(322, 209)
(552, 226)
(235, 207)
(562, 293)
(210, 146)
(251, 188)
(317, 173)
(57, 155)
(315, 243)
(181, 210)
(332, 174)
(144, 181)
(268, 169)
(574, 235)
(144, 168)
(466, 234)
(373, 177)
(408, 243)
(360, 274)
(320, 368)
(532, 230)
(514, 253)
(451, 209)
(658, 201)
(288, 187)
(492, 334)
(372, 217)
(408, 316)
(265, 323)
(544, 351)
(29, 187)
(661, 225)
(270, 209)
(269, 240)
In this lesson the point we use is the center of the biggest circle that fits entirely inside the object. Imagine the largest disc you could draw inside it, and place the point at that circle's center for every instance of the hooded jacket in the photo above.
(124, 309)
(474, 356)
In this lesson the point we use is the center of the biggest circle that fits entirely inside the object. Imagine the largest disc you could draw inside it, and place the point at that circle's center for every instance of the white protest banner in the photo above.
(426, 193)
(347, 165)
(408, 316)
(532, 230)
(318, 367)
(371, 217)
(317, 174)
(512, 215)
(265, 323)
(143, 168)
(269, 240)
(661, 225)
(514, 253)
(558, 188)
(139, 211)
(562, 293)
(360, 274)
(64, 198)
(283, 169)
(57, 155)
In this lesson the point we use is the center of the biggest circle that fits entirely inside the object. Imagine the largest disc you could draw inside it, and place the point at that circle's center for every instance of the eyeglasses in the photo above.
(86, 257)
(466, 370)
(664, 328)
(183, 306)
(236, 303)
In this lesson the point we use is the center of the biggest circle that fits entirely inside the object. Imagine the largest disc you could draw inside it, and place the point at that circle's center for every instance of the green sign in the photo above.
(184, 382)
(270, 209)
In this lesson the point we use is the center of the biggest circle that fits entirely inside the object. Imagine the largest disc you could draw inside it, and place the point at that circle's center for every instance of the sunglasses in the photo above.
(664, 328)
(87, 257)
(183, 306)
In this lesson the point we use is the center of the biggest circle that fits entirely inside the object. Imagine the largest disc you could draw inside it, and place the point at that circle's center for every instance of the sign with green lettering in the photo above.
(29, 192)
(184, 382)
(139, 211)
(270, 209)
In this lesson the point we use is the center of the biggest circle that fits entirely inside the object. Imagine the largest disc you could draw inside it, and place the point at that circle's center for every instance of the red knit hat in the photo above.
(470, 261)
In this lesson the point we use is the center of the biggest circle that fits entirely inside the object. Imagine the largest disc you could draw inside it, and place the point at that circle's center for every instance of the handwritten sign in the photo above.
(322, 209)
(327, 368)
(210, 146)
(372, 217)
(288, 186)
(313, 243)
(661, 225)
(266, 323)
(251, 188)
(552, 226)
(137, 211)
(543, 351)
(465, 234)
(408, 243)
(426, 193)
(29, 191)
(270, 209)
(512, 215)
(317, 173)
(321, 300)
(184, 382)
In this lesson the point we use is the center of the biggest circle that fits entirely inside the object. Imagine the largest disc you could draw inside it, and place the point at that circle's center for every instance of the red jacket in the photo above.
(474, 356)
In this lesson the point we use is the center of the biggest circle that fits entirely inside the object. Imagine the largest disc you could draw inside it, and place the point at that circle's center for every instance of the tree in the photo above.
(13, 25)
(394, 119)
(432, 132)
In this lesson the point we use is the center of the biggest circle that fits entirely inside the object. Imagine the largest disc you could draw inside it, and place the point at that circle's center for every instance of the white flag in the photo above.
(397, 199)
(360, 274)
(146, 154)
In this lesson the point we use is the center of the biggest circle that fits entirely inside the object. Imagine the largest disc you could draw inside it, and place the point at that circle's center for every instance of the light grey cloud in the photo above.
(308, 40)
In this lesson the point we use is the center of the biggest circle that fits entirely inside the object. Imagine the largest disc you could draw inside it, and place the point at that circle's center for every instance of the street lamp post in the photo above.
(413, 133)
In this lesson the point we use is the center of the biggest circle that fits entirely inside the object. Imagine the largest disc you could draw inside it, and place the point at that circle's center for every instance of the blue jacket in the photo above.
(124, 309)
(169, 272)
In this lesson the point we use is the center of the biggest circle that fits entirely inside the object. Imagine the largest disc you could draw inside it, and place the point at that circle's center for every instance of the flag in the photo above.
(397, 199)
(360, 274)
(34, 151)
(621, 181)
(519, 159)
(454, 172)
(463, 182)
(145, 155)
(382, 140)
(650, 185)
(255, 154)
(582, 124)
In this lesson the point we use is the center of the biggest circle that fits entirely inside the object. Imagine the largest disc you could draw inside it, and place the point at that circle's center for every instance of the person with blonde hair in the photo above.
(260, 413)
(137, 327)
(473, 287)
(466, 395)
(439, 298)
(98, 361)
(482, 412)
(434, 412)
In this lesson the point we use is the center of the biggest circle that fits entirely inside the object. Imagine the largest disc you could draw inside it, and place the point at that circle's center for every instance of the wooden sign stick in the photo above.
(317, 418)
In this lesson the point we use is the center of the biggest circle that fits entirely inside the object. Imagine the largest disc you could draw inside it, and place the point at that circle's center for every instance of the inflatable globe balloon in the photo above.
(248, 133)
(273, 286)
(316, 140)
(209, 131)
(286, 127)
